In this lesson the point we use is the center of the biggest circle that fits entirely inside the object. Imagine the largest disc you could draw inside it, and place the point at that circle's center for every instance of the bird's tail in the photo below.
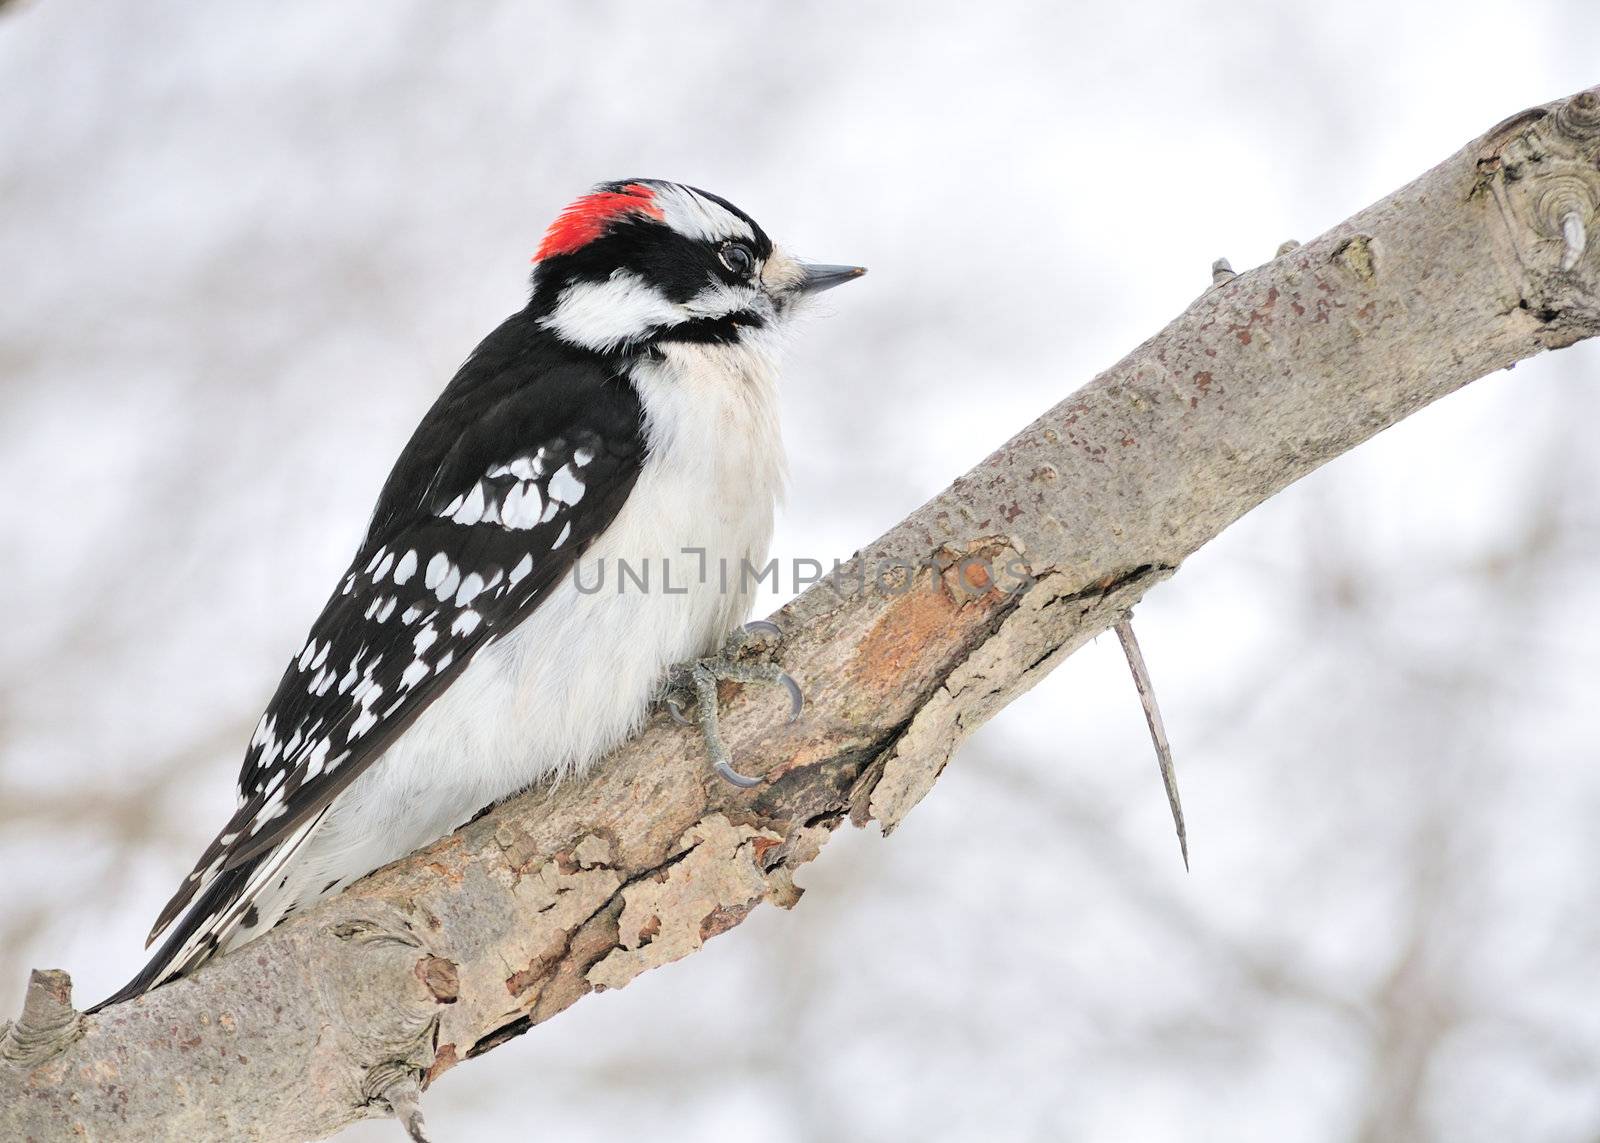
(239, 904)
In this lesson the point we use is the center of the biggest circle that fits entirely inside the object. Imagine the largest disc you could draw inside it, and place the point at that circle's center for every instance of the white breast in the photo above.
(578, 676)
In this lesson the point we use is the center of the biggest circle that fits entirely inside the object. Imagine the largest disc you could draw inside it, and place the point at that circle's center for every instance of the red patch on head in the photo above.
(587, 219)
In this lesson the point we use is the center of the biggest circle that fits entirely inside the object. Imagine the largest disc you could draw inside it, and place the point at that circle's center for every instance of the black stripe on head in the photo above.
(678, 266)
(762, 244)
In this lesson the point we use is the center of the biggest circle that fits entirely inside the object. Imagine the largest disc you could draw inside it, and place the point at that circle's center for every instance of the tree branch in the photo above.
(1482, 261)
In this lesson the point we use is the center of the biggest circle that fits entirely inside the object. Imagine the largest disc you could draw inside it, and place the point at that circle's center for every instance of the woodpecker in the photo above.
(629, 411)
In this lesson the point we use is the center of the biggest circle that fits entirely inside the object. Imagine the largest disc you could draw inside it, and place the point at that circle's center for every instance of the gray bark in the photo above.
(343, 1012)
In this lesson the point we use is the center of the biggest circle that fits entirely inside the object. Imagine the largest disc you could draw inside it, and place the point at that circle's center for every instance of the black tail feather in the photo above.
(217, 896)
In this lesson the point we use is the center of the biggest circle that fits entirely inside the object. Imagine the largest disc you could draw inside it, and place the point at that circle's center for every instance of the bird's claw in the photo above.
(762, 627)
(797, 697)
(729, 774)
(699, 680)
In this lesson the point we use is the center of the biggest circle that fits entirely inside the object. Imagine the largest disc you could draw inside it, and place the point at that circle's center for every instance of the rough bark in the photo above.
(1482, 261)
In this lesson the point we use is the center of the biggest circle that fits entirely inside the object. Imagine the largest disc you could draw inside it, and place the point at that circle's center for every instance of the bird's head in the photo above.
(642, 262)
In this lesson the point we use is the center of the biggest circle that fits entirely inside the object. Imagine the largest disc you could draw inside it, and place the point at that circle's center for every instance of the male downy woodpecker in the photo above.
(628, 412)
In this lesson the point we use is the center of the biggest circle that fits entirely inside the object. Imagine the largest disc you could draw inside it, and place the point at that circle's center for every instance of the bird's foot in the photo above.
(745, 658)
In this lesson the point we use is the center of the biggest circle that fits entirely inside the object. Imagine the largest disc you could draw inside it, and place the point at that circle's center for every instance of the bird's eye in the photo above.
(738, 257)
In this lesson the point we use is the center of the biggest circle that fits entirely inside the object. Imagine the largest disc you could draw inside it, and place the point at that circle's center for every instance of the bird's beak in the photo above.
(814, 279)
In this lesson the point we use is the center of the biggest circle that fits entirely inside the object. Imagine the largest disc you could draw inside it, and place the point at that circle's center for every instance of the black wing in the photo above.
(522, 462)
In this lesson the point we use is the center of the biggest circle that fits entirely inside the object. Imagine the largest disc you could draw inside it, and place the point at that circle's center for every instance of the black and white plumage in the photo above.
(628, 412)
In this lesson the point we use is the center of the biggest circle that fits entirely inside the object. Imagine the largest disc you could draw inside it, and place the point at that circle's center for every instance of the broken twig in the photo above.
(1158, 730)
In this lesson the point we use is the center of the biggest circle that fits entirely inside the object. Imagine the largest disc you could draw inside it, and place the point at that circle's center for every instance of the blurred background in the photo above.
(245, 244)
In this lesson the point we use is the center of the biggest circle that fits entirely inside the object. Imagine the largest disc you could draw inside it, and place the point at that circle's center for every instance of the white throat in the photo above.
(711, 414)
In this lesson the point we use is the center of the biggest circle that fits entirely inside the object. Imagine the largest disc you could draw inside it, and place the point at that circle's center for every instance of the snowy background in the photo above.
(244, 244)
